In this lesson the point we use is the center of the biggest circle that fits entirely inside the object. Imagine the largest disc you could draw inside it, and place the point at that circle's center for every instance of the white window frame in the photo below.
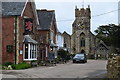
(34, 52)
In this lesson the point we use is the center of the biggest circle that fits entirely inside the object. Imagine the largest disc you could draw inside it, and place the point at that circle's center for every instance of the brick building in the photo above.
(46, 34)
(19, 20)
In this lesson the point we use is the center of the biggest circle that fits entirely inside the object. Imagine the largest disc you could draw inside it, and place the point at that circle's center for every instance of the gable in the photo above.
(102, 45)
(46, 19)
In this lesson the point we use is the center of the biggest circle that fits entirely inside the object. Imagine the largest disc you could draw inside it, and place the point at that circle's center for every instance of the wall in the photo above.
(7, 38)
(113, 67)
(60, 40)
(42, 39)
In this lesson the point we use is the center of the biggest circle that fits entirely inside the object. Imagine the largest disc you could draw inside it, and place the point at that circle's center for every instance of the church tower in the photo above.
(82, 19)
(81, 30)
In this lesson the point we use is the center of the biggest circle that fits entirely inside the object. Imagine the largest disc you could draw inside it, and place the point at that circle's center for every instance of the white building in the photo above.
(59, 40)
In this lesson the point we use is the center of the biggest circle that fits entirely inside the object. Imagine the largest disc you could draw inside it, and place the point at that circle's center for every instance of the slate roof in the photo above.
(28, 39)
(12, 8)
(45, 18)
(102, 43)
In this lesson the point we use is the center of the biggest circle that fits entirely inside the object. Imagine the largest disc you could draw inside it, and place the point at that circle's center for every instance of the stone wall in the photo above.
(113, 67)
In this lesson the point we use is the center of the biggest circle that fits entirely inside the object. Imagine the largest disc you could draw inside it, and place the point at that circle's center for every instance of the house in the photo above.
(19, 22)
(46, 34)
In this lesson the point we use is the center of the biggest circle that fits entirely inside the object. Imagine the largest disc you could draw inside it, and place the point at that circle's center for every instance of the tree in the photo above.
(63, 54)
(110, 34)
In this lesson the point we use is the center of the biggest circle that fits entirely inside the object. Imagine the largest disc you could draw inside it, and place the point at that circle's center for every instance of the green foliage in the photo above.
(118, 59)
(7, 64)
(110, 34)
(0, 66)
(22, 65)
(63, 54)
(72, 55)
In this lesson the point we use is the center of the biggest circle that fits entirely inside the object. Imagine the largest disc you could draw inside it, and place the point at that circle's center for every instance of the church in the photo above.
(83, 40)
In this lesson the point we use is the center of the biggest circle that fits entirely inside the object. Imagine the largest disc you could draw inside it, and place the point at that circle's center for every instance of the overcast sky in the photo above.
(64, 11)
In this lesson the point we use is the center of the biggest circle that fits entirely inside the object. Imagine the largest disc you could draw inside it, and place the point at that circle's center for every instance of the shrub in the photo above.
(0, 66)
(7, 64)
(63, 54)
(22, 65)
(34, 63)
(118, 59)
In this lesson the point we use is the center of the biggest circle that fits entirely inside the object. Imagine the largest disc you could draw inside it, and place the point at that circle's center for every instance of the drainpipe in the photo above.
(16, 39)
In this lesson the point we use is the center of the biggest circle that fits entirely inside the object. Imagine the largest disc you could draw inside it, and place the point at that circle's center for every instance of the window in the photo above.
(51, 36)
(82, 42)
(65, 45)
(30, 51)
(26, 51)
(9, 48)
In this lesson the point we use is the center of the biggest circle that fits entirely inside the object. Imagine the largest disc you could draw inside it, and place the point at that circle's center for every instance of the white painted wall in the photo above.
(59, 40)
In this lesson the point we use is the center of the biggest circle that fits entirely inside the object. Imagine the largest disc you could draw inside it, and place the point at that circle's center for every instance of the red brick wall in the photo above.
(7, 38)
(39, 36)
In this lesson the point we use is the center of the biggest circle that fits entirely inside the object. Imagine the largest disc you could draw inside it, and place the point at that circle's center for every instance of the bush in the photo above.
(7, 64)
(118, 59)
(22, 65)
(34, 63)
(0, 66)
(63, 54)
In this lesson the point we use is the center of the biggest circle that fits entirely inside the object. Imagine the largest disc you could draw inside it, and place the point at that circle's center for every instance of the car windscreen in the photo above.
(79, 55)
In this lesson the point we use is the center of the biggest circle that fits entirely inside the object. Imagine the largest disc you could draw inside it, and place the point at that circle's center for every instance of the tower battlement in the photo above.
(83, 12)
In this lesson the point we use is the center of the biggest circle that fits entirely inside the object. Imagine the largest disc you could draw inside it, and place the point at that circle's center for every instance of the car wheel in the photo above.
(73, 61)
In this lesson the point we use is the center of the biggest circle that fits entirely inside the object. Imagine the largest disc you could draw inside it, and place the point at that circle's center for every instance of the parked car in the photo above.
(80, 57)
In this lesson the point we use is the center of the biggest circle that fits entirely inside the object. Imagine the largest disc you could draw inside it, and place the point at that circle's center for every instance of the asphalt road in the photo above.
(91, 69)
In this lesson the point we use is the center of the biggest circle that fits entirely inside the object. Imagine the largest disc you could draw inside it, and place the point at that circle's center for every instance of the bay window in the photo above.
(30, 51)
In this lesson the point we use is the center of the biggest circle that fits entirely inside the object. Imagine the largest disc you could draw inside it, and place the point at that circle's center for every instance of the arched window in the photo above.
(82, 42)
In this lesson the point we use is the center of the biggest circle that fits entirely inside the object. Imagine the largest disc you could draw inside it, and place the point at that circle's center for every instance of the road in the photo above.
(91, 69)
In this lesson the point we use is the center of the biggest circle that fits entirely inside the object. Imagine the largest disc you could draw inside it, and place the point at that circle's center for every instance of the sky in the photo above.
(65, 12)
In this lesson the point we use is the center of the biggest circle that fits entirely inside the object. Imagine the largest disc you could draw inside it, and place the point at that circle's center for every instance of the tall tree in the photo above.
(110, 34)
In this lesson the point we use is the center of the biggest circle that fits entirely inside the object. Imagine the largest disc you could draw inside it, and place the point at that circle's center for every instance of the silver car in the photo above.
(80, 57)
